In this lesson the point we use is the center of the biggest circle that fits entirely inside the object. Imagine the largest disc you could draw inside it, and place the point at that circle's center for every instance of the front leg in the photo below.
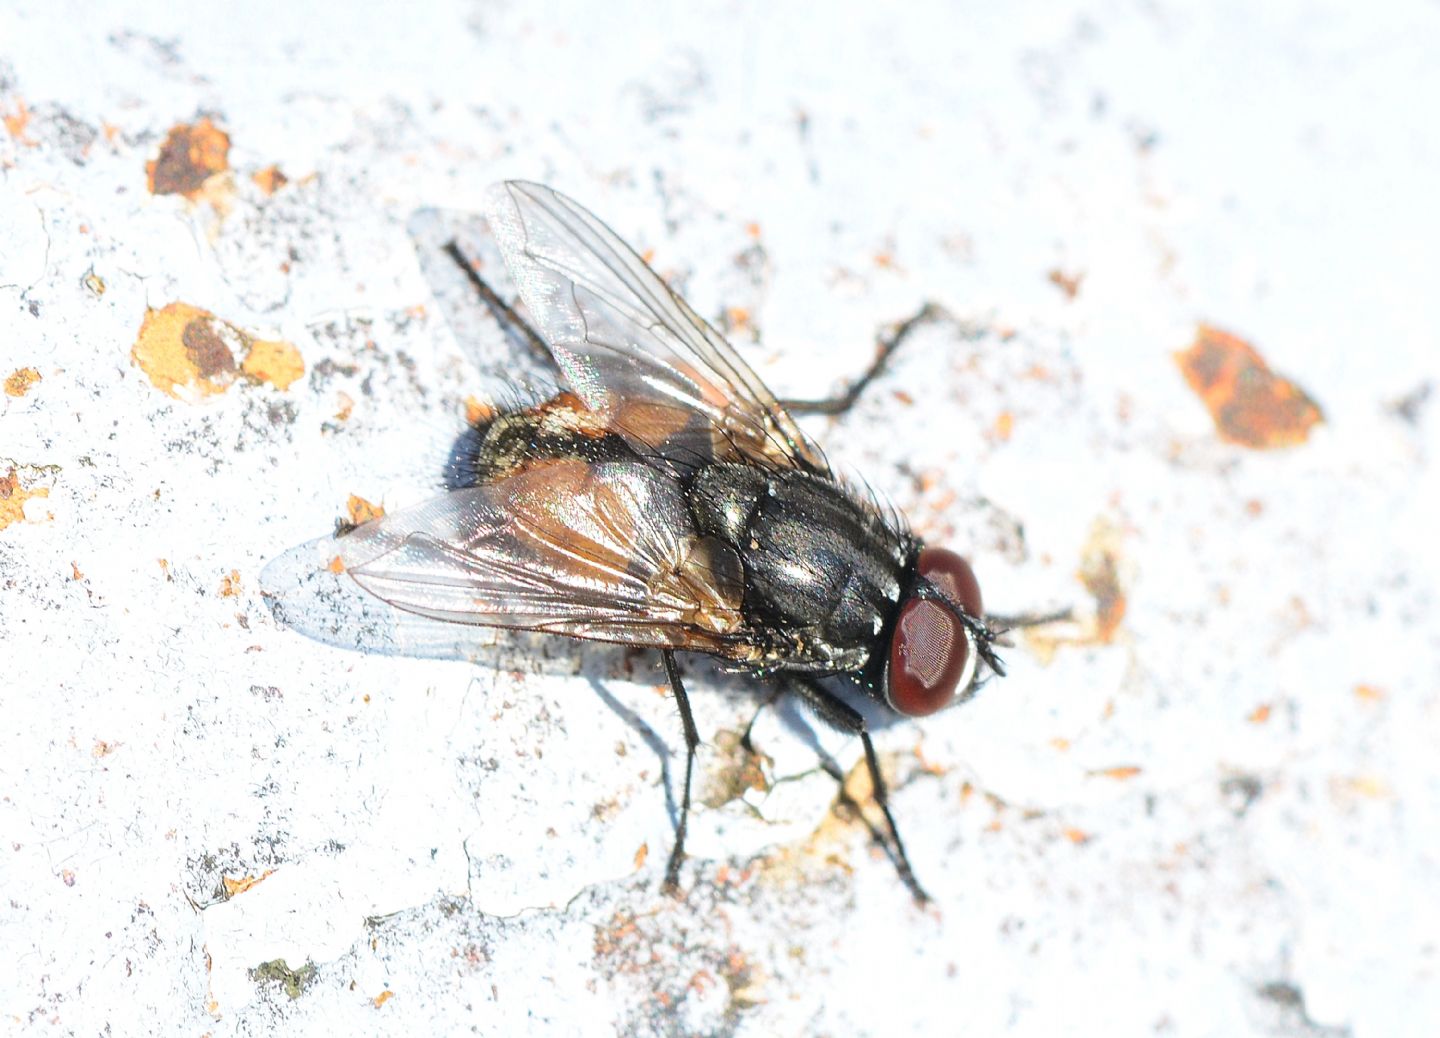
(842, 402)
(840, 715)
(692, 742)
(503, 312)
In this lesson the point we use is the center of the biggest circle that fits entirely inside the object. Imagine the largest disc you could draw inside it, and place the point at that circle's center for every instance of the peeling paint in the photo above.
(13, 495)
(190, 354)
(1251, 405)
(190, 156)
(20, 381)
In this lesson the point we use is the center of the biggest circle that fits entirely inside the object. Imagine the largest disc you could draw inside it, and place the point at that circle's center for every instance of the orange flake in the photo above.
(1079, 837)
(1260, 714)
(753, 229)
(269, 179)
(1251, 405)
(244, 883)
(380, 999)
(737, 318)
(362, 511)
(1060, 744)
(1369, 693)
(103, 748)
(336, 566)
(18, 123)
(347, 406)
(641, 854)
(273, 361)
(230, 585)
(1099, 572)
(190, 156)
(20, 381)
(1120, 772)
(1067, 283)
(13, 497)
(75, 573)
(1004, 426)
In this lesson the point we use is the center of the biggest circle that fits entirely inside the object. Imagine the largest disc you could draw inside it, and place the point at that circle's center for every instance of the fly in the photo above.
(666, 499)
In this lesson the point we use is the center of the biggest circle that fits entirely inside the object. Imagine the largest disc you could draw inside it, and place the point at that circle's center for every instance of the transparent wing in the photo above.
(632, 349)
(602, 551)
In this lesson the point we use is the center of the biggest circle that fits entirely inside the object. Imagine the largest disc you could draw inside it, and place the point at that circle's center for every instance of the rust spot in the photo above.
(102, 748)
(380, 999)
(1100, 575)
(1079, 837)
(1369, 693)
(269, 179)
(75, 573)
(1004, 426)
(190, 156)
(347, 406)
(20, 381)
(230, 585)
(641, 854)
(336, 566)
(13, 497)
(1251, 405)
(1260, 714)
(1067, 283)
(362, 511)
(207, 351)
(189, 353)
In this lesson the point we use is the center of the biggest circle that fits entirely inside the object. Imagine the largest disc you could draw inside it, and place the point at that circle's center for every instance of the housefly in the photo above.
(666, 499)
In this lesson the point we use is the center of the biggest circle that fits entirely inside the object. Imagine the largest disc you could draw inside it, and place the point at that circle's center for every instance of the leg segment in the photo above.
(692, 741)
(502, 310)
(839, 404)
(841, 716)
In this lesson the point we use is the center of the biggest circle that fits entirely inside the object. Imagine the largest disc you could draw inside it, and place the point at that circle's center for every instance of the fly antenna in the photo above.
(983, 634)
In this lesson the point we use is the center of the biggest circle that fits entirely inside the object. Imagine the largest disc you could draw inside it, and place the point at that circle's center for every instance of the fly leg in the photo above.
(503, 311)
(746, 742)
(840, 715)
(842, 402)
(692, 741)
(1005, 624)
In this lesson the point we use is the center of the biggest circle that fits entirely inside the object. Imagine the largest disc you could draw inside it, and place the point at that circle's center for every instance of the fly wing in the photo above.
(632, 349)
(604, 551)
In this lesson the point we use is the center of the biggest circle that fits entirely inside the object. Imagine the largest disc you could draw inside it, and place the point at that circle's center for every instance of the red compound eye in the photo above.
(931, 650)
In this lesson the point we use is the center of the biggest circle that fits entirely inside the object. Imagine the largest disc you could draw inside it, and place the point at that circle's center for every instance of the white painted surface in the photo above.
(1270, 171)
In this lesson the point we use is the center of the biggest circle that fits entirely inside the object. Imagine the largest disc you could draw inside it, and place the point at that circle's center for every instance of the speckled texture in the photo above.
(1207, 807)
